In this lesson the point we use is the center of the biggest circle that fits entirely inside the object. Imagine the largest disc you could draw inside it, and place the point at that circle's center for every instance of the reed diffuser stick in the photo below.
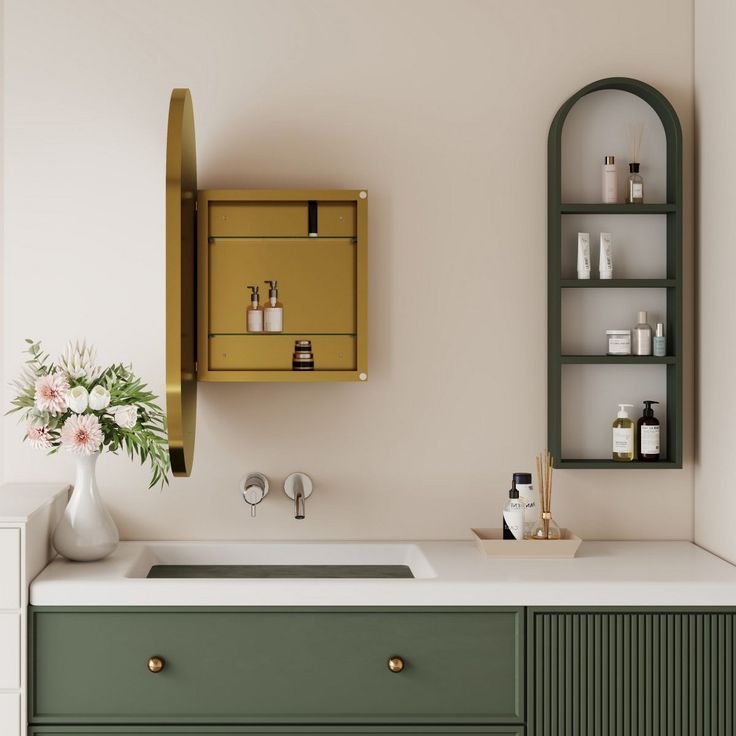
(545, 464)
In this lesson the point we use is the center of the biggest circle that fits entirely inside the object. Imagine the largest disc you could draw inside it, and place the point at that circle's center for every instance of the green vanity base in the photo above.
(281, 571)
(280, 671)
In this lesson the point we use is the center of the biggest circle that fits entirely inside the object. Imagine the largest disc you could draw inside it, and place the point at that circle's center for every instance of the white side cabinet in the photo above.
(28, 514)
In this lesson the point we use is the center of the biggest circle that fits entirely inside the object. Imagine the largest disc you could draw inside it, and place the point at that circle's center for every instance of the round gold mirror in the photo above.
(181, 279)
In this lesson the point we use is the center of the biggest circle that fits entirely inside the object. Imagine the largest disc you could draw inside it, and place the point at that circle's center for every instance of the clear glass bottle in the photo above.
(546, 528)
(660, 341)
(624, 444)
(634, 186)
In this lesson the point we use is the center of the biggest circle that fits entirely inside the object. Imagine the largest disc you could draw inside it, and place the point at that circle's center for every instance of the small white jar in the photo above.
(619, 342)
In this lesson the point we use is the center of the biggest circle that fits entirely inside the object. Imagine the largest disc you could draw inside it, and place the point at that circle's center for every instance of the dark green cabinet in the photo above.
(672, 284)
(620, 672)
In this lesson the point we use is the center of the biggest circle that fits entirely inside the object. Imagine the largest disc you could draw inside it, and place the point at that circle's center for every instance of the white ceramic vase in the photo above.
(86, 531)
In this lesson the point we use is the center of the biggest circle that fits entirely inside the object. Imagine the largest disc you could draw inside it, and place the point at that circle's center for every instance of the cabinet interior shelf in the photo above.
(618, 283)
(612, 465)
(350, 239)
(618, 359)
(617, 209)
(282, 334)
(281, 376)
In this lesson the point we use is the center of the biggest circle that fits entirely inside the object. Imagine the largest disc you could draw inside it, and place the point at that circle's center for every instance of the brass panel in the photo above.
(336, 218)
(181, 323)
(249, 219)
(273, 352)
(316, 282)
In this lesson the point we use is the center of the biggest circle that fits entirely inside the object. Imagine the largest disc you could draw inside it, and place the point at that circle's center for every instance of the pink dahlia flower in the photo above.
(38, 437)
(51, 393)
(81, 434)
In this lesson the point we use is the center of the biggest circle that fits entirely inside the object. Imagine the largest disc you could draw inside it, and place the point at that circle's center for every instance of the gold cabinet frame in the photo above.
(340, 354)
(206, 371)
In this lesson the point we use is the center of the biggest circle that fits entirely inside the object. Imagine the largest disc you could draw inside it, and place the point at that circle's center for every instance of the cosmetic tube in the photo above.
(605, 264)
(583, 255)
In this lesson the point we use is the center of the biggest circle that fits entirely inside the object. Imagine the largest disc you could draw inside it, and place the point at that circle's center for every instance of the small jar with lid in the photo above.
(303, 358)
(619, 342)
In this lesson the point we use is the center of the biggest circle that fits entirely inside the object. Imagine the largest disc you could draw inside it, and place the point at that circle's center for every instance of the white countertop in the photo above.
(20, 501)
(449, 574)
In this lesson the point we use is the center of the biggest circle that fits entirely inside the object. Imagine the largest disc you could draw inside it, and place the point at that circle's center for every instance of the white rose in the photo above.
(77, 399)
(124, 416)
(99, 398)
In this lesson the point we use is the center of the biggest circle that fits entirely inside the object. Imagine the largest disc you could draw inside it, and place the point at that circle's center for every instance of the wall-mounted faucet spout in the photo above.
(298, 487)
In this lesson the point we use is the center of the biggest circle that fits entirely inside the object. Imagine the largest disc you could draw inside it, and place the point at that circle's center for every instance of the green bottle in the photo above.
(624, 443)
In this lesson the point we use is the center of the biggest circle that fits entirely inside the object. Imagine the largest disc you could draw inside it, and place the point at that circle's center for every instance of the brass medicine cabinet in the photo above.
(218, 242)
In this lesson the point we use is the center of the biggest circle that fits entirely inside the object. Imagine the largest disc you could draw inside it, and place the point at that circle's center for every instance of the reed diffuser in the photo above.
(635, 184)
(545, 528)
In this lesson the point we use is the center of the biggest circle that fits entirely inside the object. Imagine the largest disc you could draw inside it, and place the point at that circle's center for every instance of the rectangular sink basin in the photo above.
(281, 571)
(281, 560)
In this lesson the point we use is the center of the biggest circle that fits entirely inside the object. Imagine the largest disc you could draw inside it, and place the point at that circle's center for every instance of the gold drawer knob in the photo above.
(156, 664)
(395, 664)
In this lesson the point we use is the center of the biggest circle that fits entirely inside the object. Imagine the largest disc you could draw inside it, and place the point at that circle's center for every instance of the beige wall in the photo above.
(715, 63)
(441, 110)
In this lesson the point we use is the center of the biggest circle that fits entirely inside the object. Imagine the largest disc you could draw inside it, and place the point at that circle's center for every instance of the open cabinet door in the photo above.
(181, 271)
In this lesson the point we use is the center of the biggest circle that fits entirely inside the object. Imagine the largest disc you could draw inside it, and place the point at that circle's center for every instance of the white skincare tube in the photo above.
(605, 263)
(583, 255)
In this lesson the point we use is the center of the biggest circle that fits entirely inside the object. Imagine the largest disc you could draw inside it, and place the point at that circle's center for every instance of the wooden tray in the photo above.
(492, 544)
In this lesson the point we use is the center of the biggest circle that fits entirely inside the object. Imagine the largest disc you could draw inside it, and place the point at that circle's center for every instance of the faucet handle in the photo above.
(254, 488)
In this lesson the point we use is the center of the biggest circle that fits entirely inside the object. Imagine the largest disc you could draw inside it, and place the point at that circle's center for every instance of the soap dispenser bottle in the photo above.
(648, 434)
(273, 313)
(254, 317)
(513, 515)
(529, 498)
(624, 445)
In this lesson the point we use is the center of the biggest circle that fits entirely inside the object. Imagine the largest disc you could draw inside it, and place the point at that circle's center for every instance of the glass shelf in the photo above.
(597, 208)
(618, 359)
(352, 239)
(618, 283)
(281, 334)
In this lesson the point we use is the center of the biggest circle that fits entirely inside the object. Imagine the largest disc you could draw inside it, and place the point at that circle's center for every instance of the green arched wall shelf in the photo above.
(672, 210)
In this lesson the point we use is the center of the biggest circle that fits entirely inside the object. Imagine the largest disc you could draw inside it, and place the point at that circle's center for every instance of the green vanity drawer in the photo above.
(276, 731)
(276, 666)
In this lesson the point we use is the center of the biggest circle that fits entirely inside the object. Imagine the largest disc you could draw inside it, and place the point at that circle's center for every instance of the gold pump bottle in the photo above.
(624, 436)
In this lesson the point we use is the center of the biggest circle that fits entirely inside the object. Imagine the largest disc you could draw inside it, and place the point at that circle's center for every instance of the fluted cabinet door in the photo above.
(625, 672)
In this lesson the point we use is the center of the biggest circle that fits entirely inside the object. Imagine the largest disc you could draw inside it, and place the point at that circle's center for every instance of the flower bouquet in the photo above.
(76, 406)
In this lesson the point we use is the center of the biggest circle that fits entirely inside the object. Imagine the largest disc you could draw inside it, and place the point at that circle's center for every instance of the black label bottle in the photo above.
(513, 515)
(648, 434)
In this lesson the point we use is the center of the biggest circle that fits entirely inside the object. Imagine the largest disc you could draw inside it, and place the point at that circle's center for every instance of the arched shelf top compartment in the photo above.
(661, 106)
(579, 416)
